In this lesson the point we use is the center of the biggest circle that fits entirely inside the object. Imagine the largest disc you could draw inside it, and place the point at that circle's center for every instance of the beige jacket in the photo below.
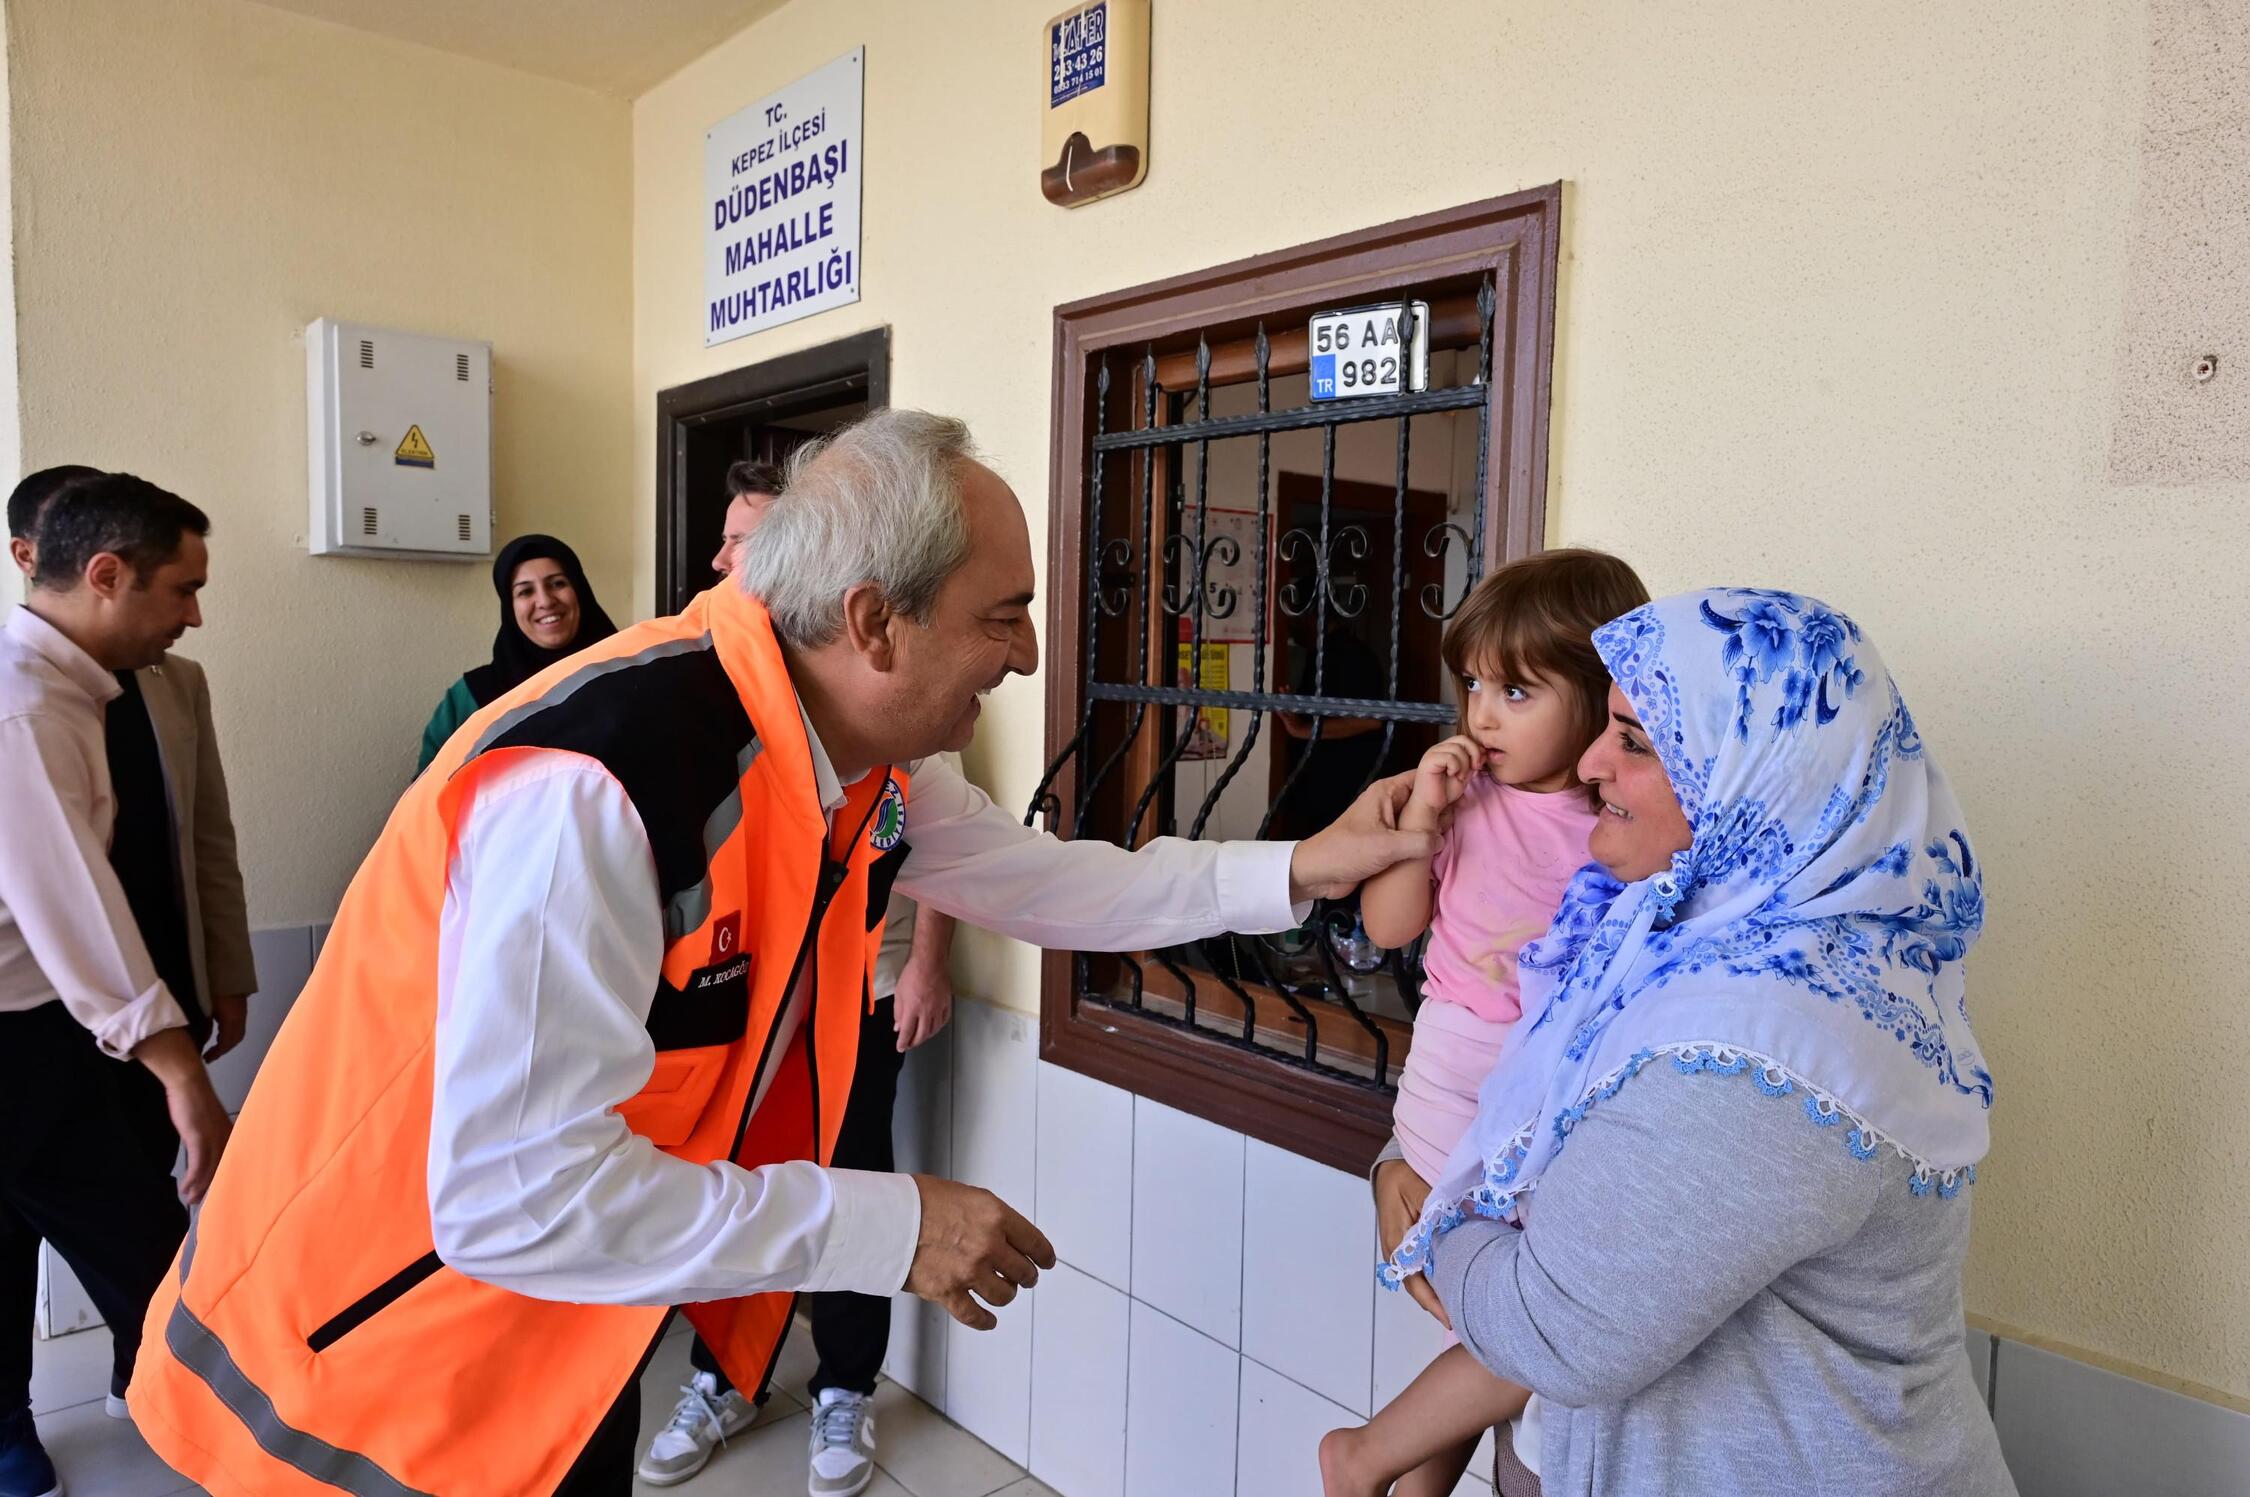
(218, 920)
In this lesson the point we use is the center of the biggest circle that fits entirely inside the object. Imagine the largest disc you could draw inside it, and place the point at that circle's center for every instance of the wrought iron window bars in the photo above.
(1289, 570)
(1137, 581)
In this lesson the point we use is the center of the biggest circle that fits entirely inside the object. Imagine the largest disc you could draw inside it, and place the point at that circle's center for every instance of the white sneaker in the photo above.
(843, 1444)
(113, 1404)
(702, 1421)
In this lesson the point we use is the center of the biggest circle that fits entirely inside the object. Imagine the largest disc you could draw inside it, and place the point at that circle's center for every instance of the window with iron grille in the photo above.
(1248, 590)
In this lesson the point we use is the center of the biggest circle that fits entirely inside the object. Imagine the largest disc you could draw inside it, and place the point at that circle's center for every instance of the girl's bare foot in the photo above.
(1341, 1455)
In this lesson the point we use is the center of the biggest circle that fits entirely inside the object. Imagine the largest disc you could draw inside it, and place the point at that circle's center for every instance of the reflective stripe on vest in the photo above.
(205, 1355)
(568, 687)
(688, 909)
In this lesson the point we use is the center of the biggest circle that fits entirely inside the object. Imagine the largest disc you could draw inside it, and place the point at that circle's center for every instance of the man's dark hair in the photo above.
(129, 517)
(748, 477)
(32, 494)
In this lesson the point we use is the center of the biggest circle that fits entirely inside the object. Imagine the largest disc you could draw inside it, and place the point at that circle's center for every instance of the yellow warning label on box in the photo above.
(414, 451)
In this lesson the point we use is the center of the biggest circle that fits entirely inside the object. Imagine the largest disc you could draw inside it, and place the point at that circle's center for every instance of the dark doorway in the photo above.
(765, 411)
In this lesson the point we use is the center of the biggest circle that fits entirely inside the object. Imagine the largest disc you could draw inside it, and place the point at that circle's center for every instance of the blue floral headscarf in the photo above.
(1810, 937)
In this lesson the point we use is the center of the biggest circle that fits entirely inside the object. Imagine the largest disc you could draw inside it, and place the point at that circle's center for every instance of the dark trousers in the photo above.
(852, 1332)
(86, 1153)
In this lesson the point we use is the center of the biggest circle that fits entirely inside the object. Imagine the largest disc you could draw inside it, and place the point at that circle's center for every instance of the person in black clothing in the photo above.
(548, 612)
(142, 851)
(93, 1140)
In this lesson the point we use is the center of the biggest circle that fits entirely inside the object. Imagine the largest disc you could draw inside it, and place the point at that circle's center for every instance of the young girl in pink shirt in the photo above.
(1515, 818)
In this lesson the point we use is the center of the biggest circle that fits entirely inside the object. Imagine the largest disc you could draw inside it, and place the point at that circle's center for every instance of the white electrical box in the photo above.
(399, 428)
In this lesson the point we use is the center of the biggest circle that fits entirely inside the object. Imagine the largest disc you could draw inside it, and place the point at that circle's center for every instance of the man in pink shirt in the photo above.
(119, 567)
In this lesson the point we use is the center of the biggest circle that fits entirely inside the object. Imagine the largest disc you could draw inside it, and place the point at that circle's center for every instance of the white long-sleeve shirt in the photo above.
(550, 946)
(66, 930)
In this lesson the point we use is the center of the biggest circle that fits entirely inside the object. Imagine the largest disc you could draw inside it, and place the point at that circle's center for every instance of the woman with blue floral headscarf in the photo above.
(1715, 1203)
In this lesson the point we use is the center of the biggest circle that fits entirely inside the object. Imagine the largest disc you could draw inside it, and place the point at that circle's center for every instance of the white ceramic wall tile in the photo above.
(922, 1117)
(915, 1358)
(995, 1119)
(2071, 1430)
(63, 1305)
(995, 1133)
(1406, 1340)
(1308, 1282)
(1085, 1168)
(988, 1378)
(1187, 1219)
(995, 1100)
(1281, 1428)
(1078, 1362)
(284, 956)
(1182, 1392)
(1979, 1348)
(922, 1135)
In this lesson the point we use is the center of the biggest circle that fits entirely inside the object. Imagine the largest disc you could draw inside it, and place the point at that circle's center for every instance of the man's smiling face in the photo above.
(980, 630)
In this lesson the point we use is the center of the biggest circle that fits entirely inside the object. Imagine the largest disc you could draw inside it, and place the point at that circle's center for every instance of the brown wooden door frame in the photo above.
(838, 373)
(1514, 240)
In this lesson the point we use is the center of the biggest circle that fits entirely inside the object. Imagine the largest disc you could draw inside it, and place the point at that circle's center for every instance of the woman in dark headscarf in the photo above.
(547, 611)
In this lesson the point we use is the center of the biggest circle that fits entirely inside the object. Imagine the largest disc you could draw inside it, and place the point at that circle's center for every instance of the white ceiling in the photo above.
(617, 47)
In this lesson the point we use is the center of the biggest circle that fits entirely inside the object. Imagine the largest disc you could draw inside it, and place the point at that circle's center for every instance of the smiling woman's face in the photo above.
(1641, 823)
(546, 604)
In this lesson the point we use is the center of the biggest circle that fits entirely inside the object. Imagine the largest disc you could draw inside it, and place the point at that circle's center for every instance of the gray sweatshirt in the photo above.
(1711, 1295)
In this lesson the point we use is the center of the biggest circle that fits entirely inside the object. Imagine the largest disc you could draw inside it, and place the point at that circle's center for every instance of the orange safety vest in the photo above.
(310, 1339)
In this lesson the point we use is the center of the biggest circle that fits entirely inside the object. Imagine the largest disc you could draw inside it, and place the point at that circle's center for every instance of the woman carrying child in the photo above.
(1514, 818)
(1715, 1201)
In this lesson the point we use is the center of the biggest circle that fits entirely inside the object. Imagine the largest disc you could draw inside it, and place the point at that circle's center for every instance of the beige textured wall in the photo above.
(11, 423)
(1842, 309)
(194, 181)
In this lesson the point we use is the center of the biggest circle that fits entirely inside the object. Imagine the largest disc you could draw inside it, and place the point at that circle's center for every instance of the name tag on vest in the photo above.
(712, 1008)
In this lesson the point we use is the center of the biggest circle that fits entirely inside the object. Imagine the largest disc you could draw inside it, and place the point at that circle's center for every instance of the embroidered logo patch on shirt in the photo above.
(726, 936)
(890, 817)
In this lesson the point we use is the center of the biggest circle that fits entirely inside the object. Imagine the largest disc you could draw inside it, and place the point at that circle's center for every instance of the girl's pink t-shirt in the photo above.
(1501, 872)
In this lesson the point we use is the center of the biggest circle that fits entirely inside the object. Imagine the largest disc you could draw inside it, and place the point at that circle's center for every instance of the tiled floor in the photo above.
(93, 1452)
(921, 1454)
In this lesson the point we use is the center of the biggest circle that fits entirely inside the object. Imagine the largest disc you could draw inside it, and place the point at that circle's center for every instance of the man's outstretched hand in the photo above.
(1359, 844)
(972, 1244)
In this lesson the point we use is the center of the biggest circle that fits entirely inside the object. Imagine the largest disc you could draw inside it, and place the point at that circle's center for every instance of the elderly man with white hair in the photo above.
(577, 1044)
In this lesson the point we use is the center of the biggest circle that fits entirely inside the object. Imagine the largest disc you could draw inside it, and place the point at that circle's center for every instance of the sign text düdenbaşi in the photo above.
(783, 188)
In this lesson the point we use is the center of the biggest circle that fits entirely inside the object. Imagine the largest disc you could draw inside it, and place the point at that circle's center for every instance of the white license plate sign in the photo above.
(1363, 351)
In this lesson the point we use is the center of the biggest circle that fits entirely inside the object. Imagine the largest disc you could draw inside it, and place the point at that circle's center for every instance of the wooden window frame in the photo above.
(1515, 240)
